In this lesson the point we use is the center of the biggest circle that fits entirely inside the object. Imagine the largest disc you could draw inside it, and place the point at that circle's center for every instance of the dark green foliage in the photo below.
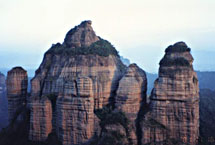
(177, 48)
(108, 117)
(174, 62)
(101, 47)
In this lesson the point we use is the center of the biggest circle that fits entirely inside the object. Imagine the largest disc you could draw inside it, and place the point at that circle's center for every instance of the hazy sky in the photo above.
(139, 29)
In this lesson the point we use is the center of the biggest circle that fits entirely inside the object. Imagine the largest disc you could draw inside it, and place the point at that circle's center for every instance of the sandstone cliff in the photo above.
(78, 76)
(17, 84)
(174, 102)
(82, 94)
(131, 96)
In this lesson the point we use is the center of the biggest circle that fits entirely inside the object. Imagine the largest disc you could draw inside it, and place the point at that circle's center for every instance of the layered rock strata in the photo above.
(174, 102)
(131, 96)
(85, 71)
(17, 84)
(75, 112)
(40, 119)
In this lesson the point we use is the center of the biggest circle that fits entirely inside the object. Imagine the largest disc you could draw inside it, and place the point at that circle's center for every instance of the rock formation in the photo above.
(131, 96)
(40, 119)
(82, 94)
(78, 76)
(81, 36)
(174, 101)
(75, 112)
(17, 84)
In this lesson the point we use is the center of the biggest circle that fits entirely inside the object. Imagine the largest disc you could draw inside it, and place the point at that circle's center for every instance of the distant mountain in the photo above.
(126, 61)
(206, 80)
(207, 116)
(150, 80)
(3, 102)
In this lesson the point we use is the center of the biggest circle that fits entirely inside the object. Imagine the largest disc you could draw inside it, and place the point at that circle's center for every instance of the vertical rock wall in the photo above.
(174, 103)
(75, 112)
(63, 75)
(131, 94)
(17, 84)
(40, 119)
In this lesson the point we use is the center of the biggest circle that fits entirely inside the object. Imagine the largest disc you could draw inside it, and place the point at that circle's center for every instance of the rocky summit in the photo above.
(174, 102)
(82, 94)
(17, 84)
(81, 36)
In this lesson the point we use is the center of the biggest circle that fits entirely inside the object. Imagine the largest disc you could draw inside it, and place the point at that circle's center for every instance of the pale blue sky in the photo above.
(139, 29)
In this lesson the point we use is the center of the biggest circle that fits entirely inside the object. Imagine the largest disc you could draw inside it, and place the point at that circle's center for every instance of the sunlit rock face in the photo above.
(173, 115)
(82, 35)
(78, 76)
(75, 114)
(40, 119)
(131, 96)
(17, 84)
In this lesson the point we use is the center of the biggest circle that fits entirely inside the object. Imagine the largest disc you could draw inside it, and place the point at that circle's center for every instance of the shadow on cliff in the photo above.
(16, 133)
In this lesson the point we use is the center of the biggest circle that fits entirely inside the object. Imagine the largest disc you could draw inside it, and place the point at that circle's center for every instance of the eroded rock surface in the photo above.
(131, 96)
(40, 119)
(85, 74)
(17, 84)
(82, 35)
(174, 103)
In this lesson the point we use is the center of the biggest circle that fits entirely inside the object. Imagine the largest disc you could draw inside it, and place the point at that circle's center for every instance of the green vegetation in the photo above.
(101, 47)
(174, 62)
(107, 136)
(177, 48)
(108, 117)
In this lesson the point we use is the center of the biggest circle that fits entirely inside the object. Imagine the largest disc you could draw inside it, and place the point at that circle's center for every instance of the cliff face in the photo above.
(78, 76)
(80, 36)
(131, 96)
(75, 112)
(82, 94)
(17, 84)
(174, 101)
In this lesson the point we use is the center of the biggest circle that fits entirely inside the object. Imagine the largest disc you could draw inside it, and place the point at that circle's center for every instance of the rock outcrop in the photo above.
(82, 94)
(75, 112)
(131, 96)
(78, 76)
(17, 84)
(81, 36)
(174, 102)
(40, 119)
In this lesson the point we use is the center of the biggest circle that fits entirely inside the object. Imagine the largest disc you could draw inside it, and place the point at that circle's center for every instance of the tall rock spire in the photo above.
(81, 35)
(74, 79)
(17, 84)
(174, 105)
